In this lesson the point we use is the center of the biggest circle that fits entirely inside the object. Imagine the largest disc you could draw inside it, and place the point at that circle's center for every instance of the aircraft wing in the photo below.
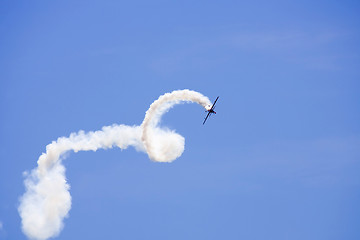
(212, 107)
(206, 117)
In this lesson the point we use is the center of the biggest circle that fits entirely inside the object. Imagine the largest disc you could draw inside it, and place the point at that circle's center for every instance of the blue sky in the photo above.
(280, 160)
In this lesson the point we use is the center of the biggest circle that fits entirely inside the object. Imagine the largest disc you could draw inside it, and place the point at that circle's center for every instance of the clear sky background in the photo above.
(280, 160)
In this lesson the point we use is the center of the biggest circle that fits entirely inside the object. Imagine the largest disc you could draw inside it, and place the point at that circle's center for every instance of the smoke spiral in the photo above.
(47, 200)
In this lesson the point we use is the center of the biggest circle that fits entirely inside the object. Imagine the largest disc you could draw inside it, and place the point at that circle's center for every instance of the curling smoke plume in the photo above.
(47, 200)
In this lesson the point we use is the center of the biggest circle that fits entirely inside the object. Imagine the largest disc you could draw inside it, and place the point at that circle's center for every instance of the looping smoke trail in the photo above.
(47, 200)
(165, 145)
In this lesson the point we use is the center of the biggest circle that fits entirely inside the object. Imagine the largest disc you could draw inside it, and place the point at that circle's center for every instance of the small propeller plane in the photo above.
(211, 110)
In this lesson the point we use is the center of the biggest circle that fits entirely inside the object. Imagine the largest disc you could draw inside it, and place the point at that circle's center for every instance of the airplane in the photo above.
(210, 111)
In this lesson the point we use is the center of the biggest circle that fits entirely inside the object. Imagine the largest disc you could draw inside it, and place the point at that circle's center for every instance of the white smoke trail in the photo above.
(47, 200)
(164, 145)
